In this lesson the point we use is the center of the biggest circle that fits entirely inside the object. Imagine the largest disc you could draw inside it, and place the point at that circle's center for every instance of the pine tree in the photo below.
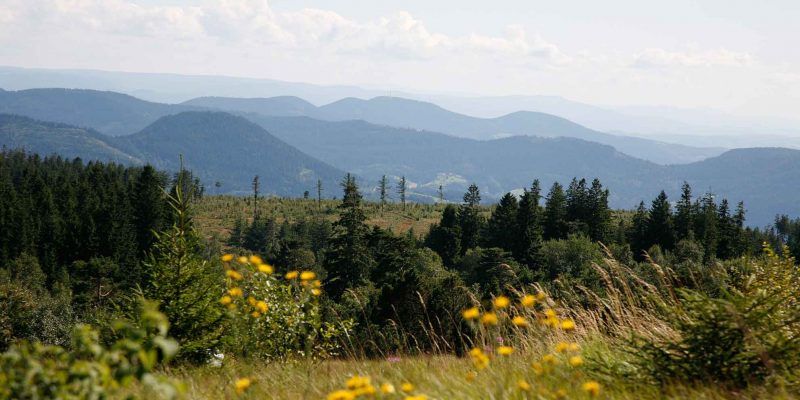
(555, 213)
(383, 190)
(578, 206)
(501, 229)
(255, 198)
(148, 207)
(660, 228)
(528, 233)
(469, 219)
(445, 237)
(638, 234)
(684, 213)
(401, 190)
(599, 222)
(319, 194)
(348, 260)
(706, 225)
(186, 286)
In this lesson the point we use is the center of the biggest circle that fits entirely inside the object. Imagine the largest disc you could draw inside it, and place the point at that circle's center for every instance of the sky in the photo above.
(733, 55)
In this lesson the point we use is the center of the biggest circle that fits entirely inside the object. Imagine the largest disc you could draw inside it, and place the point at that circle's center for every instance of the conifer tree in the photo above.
(599, 222)
(660, 228)
(684, 213)
(348, 260)
(383, 190)
(638, 235)
(469, 219)
(148, 207)
(555, 213)
(501, 228)
(401, 190)
(528, 232)
(445, 237)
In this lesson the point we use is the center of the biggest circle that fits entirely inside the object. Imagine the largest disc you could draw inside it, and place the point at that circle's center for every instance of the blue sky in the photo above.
(738, 56)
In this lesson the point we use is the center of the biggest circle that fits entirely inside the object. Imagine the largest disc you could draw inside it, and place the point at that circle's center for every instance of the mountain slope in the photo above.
(232, 150)
(412, 114)
(111, 113)
(289, 106)
(428, 159)
(46, 138)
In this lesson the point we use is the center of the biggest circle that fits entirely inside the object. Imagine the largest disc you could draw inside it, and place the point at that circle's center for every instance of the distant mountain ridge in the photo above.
(405, 113)
(216, 146)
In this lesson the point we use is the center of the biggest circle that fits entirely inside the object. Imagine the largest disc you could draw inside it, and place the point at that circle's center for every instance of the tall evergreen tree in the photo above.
(684, 213)
(348, 260)
(638, 235)
(501, 228)
(383, 190)
(401, 190)
(445, 237)
(660, 228)
(599, 222)
(528, 233)
(469, 219)
(148, 207)
(555, 213)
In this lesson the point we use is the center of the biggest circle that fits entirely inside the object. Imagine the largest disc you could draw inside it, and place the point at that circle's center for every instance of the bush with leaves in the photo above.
(745, 335)
(88, 370)
(274, 318)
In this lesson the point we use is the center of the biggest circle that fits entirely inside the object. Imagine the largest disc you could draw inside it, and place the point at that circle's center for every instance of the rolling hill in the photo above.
(111, 113)
(46, 138)
(412, 114)
(216, 146)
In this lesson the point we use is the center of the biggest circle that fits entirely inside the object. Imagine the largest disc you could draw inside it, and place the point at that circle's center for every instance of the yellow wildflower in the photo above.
(417, 397)
(471, 313)
(254, 259)
(233, 275)
(387, 388)
(549, 359)
(568, 325)
(255, 314)
(519, 321)
(367, 390)
(242, 260)
(292, 275)
(307, 275)
(550, 313)
(251, 300)
(407, 387)
(262, 307)
(524, 386)
(537, 367)
(562, 347)
(316, 284)
(341, 395)
(489, 319)
(242, 384)
(265, 268)
(561, 394)
(505, 350)
(471, 375)
(227, 257)
(316, 292)
(592, 388)
(225, 300)
(501, 302)
(574, 347)
(235, 292)
(541, 296)
(528, 300)
(356, 382)
(576, 361)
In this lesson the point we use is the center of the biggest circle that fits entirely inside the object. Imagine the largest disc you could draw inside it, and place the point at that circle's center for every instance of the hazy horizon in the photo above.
(714, 54)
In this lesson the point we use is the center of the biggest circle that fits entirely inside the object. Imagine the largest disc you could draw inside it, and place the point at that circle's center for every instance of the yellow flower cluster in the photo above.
(242, 384)
(361, 386)
(548, 317)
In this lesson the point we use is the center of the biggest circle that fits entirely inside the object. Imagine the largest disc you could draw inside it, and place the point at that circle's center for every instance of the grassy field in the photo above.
(216, 214)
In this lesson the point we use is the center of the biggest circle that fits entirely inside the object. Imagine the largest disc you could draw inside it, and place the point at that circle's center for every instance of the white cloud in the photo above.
(656, 57)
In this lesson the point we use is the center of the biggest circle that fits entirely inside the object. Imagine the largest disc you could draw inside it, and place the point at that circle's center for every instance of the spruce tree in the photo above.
(555, 213)
(148, 204)
(599, 222)
(501, 229)
(469, 219)
(638, 234)
(383, 190)
(528, 233)
(348, 260)
(445, 237)
(660, 228)
(401, 190)
(684, 213)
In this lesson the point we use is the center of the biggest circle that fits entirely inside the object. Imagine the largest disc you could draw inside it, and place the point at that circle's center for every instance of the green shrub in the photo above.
(274, 318)
(89, 370)
(745, 335)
